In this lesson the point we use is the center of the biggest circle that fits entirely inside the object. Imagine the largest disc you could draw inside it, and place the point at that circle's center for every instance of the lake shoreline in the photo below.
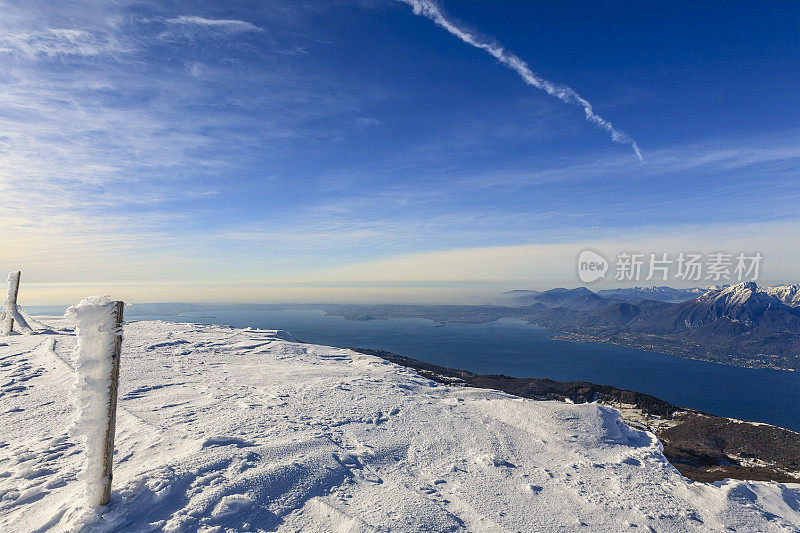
(655, 348)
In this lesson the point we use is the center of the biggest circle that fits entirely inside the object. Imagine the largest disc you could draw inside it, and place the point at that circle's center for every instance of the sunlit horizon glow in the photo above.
(468, 275)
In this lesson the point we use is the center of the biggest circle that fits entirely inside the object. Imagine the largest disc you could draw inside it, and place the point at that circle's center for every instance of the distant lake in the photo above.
(515, 348)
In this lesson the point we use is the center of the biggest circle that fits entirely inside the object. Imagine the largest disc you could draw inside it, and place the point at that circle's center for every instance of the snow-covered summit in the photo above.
(788, 294)
(743, 302)
(223, 429)
(733, 294)
(746, 301)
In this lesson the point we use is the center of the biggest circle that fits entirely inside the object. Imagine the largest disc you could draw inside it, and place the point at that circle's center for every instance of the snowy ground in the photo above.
(225, 429)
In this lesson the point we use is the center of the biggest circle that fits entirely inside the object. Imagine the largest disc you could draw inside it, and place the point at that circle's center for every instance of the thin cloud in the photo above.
(430, 10)
(218, 24)
(104, 145)
(57, 42)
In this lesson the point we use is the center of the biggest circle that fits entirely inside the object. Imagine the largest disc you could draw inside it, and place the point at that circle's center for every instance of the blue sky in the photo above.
(266, 144)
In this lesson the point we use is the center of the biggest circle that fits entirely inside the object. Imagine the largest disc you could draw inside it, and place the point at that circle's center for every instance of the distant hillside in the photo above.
(630, 295)
(660, 294)
(740, 324)
(578, 299)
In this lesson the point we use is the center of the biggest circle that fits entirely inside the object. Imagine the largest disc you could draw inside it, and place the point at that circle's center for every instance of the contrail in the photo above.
(428, 9)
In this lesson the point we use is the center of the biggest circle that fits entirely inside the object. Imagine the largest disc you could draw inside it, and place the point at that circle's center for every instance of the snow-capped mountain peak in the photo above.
(738, 293)
(743, 302)
(749, 293)
(788, 294)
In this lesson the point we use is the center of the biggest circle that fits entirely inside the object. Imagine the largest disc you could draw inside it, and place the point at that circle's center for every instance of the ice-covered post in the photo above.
(12, 312)
(11, 302)
(98, 327)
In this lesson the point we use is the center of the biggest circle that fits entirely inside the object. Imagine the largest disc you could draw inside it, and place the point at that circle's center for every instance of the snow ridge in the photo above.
(223, 429)
(788, 294)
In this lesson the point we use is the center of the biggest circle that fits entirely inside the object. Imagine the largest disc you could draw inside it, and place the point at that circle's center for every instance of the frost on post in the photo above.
(11, 311)
(98, 333)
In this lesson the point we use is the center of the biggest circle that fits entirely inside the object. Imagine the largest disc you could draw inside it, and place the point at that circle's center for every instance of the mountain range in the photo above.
(741, 324)
(631, 294)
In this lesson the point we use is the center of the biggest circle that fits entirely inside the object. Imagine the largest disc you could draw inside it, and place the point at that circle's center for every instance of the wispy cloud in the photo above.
(111, 156)
(775, 156)
(428, 9)
(57, 42)
(214, 24)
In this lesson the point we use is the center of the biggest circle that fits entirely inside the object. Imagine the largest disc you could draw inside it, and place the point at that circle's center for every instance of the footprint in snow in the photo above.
(226, 441)
(167, 344)
(231, 504)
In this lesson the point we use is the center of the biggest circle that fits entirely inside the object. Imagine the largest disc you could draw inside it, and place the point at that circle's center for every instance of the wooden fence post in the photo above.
(13, 290)
(108, 442)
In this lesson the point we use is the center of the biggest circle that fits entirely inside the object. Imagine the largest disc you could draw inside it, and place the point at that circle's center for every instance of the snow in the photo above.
(95, 323)
(222, 429)
(731, 299)
(734, 294)
(788, 294)
(741, 292)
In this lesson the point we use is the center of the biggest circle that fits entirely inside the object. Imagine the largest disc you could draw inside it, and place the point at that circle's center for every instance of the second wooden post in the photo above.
(11, 302)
